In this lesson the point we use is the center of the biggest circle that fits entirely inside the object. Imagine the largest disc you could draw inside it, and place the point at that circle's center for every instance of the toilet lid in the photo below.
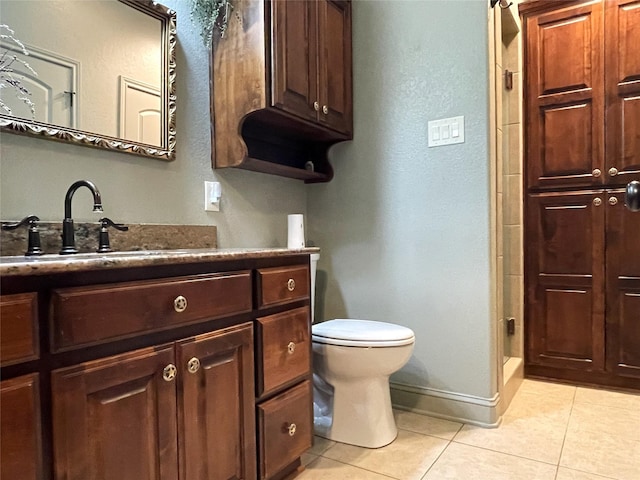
(362, 333)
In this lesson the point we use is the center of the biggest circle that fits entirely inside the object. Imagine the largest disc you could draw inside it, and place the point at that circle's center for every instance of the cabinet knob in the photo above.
(613, 171)
(325, 109)
(291, 347)
(316, 106)
(597, 201)
(193, 365)
(596, 172)
(291, 285)
(613, 200)
(291, 429)
(180, 304)
(169, 372)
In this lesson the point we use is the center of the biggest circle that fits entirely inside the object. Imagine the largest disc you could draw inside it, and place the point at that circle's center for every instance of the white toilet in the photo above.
(352, 362)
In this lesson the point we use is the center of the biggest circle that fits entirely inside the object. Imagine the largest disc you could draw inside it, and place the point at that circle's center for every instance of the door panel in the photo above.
(623, 90)
(294, 69)
(216, 410)
(623, 289)
(115, 418)
(565, 276)
(565, 104)
(335, 77)
(20, 429)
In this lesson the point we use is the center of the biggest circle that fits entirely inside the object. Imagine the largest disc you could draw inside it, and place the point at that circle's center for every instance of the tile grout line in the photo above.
(564, 438)
(442, 452)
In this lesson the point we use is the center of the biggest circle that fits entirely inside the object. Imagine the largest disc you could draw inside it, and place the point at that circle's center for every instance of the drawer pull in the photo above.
(291, 429)
(291, 285)
(597, 201)
(169, 372)
(596, 172)
(613, 200)
(613, 171)
(291, 347)
(325, 109)
(193, 365)
(180, 304)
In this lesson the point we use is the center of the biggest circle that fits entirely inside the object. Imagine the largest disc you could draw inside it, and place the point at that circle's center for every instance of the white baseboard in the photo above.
(458, 407)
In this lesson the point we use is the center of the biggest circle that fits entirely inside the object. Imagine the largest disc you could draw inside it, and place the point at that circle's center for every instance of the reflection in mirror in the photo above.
(98, 73)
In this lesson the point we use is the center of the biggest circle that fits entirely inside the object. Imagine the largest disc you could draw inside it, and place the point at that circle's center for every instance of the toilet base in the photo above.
(359, 413)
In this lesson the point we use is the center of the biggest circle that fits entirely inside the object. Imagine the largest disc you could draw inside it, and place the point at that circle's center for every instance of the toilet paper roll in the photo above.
(295, 238)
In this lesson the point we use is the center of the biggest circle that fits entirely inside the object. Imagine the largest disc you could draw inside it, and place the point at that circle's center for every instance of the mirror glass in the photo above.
(97, 73)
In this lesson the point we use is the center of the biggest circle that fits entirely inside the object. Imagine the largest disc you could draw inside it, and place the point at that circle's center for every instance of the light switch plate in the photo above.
(212, 194)
(446, 131)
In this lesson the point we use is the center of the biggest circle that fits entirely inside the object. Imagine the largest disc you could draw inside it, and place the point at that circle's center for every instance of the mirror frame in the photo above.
(166, 151)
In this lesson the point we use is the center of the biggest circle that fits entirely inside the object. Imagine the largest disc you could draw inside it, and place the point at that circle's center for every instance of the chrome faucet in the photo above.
(68, 235)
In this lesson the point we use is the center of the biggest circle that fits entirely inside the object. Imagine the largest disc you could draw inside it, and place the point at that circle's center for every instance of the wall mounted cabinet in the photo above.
(582, 271)
(282, 87)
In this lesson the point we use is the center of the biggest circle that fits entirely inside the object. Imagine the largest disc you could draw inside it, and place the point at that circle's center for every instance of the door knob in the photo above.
(632, 196)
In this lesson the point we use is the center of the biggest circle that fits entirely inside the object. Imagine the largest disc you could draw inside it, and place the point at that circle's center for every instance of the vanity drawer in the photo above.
(285, 428)
(18, 328)
(97, 314)
(284, 349)
(282, 285)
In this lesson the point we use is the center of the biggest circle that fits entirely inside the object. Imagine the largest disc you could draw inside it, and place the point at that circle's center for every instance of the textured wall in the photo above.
(35, 173)
(405, 229)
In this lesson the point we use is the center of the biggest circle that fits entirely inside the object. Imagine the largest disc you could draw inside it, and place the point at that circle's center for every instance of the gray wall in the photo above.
(36, 173)
(405, 229)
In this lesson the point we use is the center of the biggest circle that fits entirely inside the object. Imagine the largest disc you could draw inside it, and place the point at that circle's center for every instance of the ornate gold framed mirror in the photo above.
(98, 74)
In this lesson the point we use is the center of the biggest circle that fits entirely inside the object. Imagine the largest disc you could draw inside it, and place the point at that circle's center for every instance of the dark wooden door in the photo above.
(294, 67)
(623, 288)
(20, 430)
(334, 65)
(565, 280)
(622, 61)
(216, 406)
(565, 97)
(115, 418)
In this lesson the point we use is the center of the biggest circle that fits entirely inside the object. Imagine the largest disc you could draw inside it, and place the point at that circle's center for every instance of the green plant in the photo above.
(211, 16)
(8, 57)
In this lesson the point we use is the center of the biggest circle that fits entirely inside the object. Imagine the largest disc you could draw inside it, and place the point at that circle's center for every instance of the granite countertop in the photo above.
(54, 263)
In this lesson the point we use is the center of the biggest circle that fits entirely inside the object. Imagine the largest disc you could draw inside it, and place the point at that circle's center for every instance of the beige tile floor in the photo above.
(549, 432)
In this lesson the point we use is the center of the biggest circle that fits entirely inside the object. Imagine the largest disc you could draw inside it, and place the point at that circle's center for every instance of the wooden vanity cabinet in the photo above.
(282, 87)
(157, 372)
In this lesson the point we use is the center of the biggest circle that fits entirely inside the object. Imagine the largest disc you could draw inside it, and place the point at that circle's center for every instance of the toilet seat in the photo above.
(361, 333)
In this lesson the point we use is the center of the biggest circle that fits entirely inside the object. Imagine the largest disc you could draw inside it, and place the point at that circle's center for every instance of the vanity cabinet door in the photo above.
(20, 428)
(216, 405)
(115, 418)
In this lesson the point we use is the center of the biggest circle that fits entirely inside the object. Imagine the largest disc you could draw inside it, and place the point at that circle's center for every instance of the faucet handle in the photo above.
(34, 247)
(103, 240)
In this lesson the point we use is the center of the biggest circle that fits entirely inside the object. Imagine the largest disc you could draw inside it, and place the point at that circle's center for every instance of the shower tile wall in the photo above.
(511, 130)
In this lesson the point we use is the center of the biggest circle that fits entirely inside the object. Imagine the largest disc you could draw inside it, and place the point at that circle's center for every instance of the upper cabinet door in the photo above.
(311, 64)
(565, 97)
(622, 162)
(334, 65)
(294, 67)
